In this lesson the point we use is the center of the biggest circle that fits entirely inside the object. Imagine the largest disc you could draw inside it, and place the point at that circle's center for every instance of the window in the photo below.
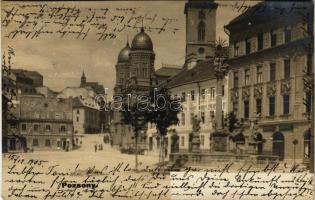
(248, 45)
(36, 127)
(183, 97)
(246, 109)
(287, 69)
(192, 93)
(191, 118)
(258, 106)
(235, 79)
(235, 108)
(260, 39)
(182, 139)
(212, 92)
(272, 106)
(211, 115)
(23, 126)
(202, 140)
(203, 117)
(259, 74)
(201, 31)
(222, 90)
(201, 50)
(63, 128)
(203, 93)
(272, 71)
(77, 119)
(308, 102)
(287, 34)
(47, 143)
(35, 142)
(309, 63)
(47, 127)
(273, 38)
(183, 119)
(78, 111)
(236, 49)
(202, 15)
(286, 104)
(247, 75)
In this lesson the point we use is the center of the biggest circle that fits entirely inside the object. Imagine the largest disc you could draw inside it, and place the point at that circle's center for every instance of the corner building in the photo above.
(269, 50)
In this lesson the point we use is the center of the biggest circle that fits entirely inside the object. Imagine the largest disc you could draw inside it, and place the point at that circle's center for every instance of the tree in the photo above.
(8, 94)
(163, 113)
(136, 118)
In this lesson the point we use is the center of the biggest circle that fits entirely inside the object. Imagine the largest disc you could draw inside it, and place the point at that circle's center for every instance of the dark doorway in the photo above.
(307, 144)
(260, 141)
(150, 143)
(12, 145)
(175, 144)
(278, 145)
(190, 141)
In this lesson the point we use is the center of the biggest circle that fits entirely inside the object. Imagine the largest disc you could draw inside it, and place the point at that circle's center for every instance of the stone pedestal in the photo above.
(195, 143)
(220, 141)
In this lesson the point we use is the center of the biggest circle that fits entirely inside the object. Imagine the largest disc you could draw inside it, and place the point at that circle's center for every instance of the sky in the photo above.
(62, 60)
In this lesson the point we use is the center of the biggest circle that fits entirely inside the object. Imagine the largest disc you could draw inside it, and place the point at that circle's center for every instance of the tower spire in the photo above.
(83, 79)
(127, 41)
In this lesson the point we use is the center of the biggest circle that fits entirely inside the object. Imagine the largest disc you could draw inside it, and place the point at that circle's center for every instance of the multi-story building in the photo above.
(86, 116)
(196, 82)
(36, 77)
(197, 89)
(26, 81)
(41, 124)
(135, 75)
(268, 53)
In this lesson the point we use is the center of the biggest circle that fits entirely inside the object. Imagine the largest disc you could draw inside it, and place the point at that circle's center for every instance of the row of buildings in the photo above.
(268, 55)
(38, 118)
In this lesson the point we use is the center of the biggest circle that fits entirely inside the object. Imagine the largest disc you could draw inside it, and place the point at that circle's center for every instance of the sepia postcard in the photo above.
(157, 100)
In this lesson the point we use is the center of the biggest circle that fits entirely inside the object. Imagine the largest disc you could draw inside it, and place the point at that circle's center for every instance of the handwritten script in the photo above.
(27, 178)
(36, 20)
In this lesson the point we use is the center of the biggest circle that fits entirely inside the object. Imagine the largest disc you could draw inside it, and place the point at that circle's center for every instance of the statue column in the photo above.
(220, 139)
(218, 103)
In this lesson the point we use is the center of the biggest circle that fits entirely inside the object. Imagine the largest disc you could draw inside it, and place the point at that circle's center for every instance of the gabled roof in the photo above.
(204, 70)
(167, 71)
(78, 102)
(26, 73)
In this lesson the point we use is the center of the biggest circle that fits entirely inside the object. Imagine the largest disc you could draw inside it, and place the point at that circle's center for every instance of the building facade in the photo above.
(135, 75)
(41, 124)
(197, 89)
(268, 54)
(195, 83)
(86, 116)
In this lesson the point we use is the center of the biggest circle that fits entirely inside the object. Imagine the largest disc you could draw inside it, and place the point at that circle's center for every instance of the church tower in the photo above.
(142, 56)
(83, 79)
(200, 29)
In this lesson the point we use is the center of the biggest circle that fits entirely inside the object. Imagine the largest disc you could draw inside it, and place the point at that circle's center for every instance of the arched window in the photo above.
(307, 144)
(278, 145)
(202, 15)
(201, 31)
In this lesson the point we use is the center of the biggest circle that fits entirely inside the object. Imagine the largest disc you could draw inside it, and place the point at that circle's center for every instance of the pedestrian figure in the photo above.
(95, 147)
(101, 147)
